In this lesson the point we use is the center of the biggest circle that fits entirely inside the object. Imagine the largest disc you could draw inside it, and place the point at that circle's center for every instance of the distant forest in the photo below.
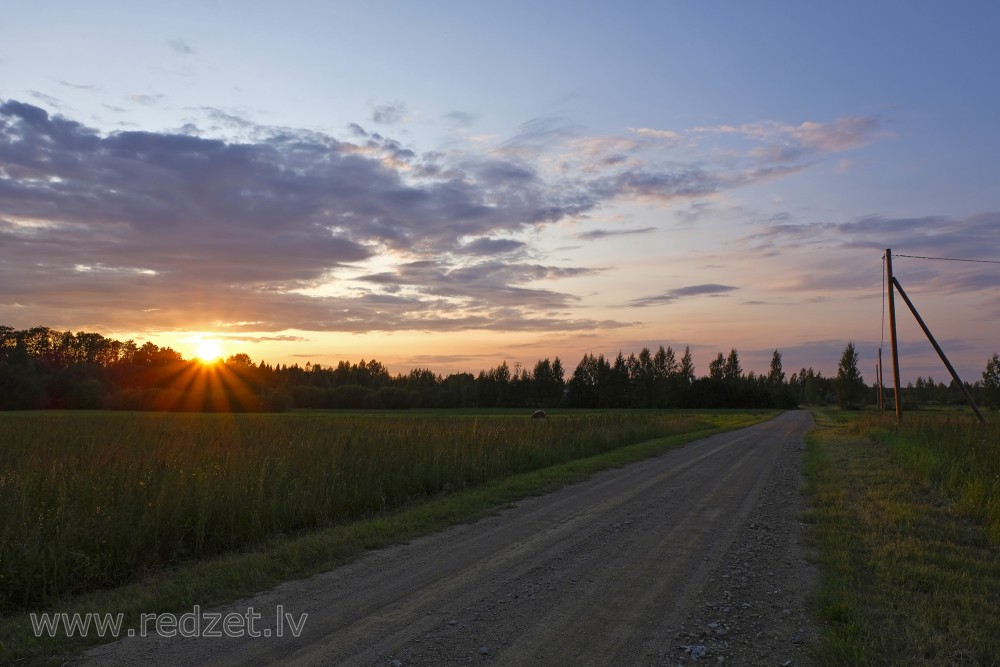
(43, 368)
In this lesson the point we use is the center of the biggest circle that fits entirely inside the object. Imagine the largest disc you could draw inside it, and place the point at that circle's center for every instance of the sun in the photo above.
(208, 351)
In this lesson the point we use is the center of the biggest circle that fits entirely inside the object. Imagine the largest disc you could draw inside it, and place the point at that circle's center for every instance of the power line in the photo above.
(884, 283)
(951, 259)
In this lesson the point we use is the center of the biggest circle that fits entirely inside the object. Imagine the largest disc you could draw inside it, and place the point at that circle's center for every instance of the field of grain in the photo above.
(95, 500)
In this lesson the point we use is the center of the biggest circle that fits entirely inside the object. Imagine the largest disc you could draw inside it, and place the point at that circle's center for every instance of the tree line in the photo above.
(46, 368)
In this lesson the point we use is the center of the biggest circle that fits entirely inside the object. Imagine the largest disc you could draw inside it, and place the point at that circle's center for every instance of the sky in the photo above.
(449, 185)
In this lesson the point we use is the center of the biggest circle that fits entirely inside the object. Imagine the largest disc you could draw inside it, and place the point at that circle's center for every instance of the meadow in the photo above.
(953, 454)
(906, 519)
(91, 501)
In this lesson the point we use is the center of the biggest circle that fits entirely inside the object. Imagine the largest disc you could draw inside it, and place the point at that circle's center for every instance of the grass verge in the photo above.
(910, 577)
(224, 579)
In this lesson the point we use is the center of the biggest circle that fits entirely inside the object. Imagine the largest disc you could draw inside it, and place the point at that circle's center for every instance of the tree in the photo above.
(776, 376)
(667, 377)
(8, 342)
(645, 377)
(716, 367)
(460, 389)
(732, 371)
(849, 384)
(616, 391)
(546, 387)
(493, 386)
(813, 387)
(589, 378)
(782, 395)
(687, 366)
(560, 388)
(991, 382)
(240, 360)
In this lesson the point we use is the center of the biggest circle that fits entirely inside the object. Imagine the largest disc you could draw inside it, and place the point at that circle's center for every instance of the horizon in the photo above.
(504, 184)
(210, 352)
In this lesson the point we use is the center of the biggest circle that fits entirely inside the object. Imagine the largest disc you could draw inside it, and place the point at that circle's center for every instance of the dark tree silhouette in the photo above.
(44, 368)
(991, 382)
(849, 384)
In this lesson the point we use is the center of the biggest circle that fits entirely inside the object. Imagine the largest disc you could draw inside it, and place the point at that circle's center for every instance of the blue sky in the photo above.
(453, 184)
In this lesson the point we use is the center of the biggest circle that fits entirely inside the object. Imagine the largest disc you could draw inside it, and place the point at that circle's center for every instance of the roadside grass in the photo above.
(219, 578)
(910, 555)
(959, 457)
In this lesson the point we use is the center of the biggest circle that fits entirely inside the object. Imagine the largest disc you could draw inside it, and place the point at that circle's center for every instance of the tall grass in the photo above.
(908, 577)
(956, 455)
(91, 500)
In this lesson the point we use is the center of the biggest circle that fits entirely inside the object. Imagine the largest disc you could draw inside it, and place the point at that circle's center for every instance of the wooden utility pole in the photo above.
(892, 336)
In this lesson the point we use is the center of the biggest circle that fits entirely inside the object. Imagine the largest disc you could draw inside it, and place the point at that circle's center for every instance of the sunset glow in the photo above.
(209, 351)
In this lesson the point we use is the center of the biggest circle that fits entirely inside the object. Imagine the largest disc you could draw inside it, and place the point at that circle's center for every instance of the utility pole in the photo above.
(892, 335)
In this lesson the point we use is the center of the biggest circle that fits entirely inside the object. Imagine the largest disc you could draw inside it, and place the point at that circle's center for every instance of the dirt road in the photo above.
(692, 555)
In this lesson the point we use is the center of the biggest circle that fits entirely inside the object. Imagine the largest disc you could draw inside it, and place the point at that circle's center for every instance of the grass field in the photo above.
(905, 521)
(93, 500)
(953, 453)
(157, 510)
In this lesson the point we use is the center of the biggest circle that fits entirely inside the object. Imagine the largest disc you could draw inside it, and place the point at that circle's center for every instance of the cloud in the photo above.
(147, 100)
(47, 99)
(791, 146)
(483, 285)
(929, 235)
(668, 135)
(260, 339)
(225, 236)
(540, 133)
(597, 234)
(645, 164)
(357, 130)
(461, 118)
(828, 257)
(180, 47)
(390, 113)
(673, 295)
(79, 86)
(233, 226)
(840, 135)
(490, 247)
